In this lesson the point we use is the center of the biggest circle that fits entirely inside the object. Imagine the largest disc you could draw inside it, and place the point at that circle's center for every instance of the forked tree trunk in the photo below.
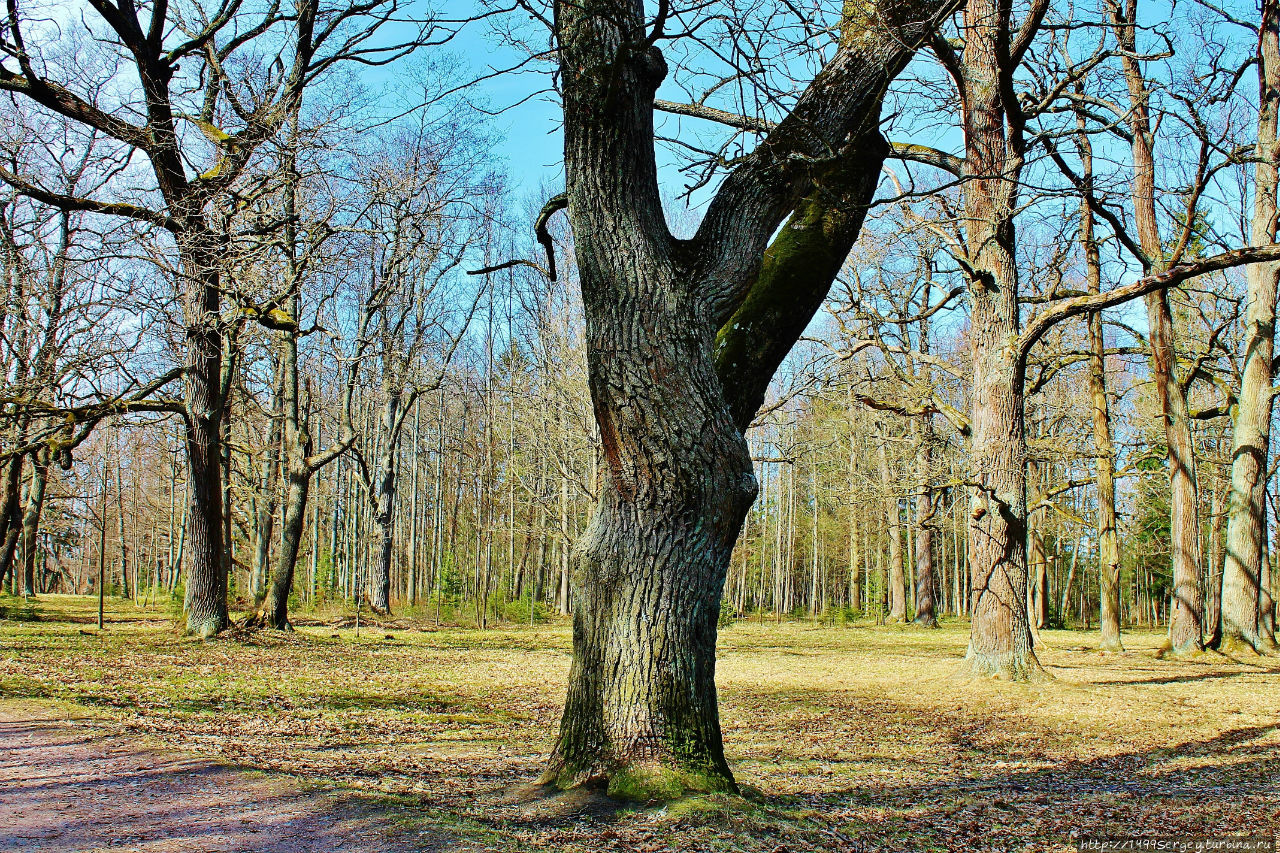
(649, 571)
(1243, 612)
(682, 340)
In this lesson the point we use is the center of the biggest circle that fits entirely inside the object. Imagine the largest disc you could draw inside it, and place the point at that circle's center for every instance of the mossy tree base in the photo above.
(1009, 666)
(1237, 646)
(647, 782)
(207, 628)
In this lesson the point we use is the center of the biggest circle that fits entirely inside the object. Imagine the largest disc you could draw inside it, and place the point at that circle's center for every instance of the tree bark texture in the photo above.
(1000, 637)
(682, 338)
(205, 604)
(384, 513)
(1241, 612)
(10, 513)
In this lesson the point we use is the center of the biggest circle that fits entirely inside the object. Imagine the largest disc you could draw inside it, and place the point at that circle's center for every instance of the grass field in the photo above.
(844, 738)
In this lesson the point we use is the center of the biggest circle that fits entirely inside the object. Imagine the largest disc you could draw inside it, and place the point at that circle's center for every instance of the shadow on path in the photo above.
(65, 787)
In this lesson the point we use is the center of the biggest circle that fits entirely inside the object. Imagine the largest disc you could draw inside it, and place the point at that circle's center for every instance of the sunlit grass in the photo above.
(853, 736)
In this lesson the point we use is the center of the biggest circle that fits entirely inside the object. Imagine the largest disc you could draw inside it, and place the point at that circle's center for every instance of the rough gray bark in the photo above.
(1000, 637)
(385, 497)
(682, 338)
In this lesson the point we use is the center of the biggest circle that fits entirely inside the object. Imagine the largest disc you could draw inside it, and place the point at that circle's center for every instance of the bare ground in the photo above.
(66, 785)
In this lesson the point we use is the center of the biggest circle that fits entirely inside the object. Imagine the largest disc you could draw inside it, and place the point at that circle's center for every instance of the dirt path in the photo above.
(68, 786)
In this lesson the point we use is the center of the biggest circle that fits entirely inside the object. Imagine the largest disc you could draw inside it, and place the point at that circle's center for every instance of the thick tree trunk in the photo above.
(205, 605)
(384, 513)
(31, 523)
(1000, 637)
(648, 574)
(1242, 622)
(682, 339)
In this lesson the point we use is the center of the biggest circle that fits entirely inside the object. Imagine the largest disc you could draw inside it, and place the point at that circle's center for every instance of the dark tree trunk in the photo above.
(274, 611)
(682, 339)
(206, 580)
(10, 514)
(31, 522)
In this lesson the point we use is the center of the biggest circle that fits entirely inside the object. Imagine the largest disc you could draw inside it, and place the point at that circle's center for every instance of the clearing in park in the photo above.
(406, 737)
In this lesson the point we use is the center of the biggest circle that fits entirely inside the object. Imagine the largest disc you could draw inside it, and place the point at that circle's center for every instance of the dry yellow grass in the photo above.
(845, 738)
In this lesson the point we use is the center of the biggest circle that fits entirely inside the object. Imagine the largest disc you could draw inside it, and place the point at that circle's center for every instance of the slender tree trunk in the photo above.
(1185, 629)
(264, 526)
(897, 573)
(1242, 622)
(1108, 542)
(926, 582)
